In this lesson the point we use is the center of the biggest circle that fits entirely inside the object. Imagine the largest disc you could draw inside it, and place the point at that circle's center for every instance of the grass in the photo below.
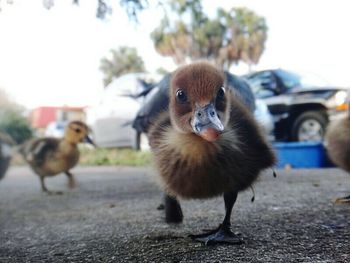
(103, 156)
(123, 157)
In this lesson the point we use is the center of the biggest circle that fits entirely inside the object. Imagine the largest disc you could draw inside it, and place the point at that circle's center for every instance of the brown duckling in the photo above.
(337, 140)
(207, 144)
(51, 156)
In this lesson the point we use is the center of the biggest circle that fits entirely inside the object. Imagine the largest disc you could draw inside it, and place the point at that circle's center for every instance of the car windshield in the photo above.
(303, 80)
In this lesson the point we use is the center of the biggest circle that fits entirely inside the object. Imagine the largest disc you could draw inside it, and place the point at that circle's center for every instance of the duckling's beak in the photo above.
(206, 123)
(87, 139)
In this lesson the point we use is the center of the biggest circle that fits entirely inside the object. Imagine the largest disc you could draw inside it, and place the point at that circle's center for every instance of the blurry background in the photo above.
(58, 57)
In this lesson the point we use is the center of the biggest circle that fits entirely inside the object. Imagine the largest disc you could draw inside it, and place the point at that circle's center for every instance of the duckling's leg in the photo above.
(44, 189)
(71, 181)
(173, 212)
(223, 233)
(43, 186)
(343, 200)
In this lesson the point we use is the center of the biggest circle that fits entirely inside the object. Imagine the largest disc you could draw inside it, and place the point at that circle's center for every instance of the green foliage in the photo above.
(12, 120)
(249, 31)
(132, 7)
(124, 60)
(172, 43)
(236, 35)
(193, 7)
(125, 157)
(14, 124)
(103, 156)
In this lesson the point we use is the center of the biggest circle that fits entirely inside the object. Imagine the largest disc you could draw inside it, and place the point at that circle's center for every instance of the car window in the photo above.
(303, 80)
(290, 80)
(263, 84)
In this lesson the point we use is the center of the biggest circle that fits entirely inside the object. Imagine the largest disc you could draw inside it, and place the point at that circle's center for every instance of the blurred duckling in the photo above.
(6, 143)
(207, 144)
(337, 140)
(51, 156)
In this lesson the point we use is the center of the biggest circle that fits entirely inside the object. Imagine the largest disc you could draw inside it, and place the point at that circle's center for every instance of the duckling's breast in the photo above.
(61, 163)
(191, 167)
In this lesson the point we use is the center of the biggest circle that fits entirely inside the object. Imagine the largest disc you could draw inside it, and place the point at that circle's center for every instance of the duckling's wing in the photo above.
(156, 102)
(242, 89)
(40, 150)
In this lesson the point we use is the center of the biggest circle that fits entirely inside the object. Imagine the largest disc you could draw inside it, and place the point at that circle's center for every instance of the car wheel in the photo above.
(309, 126)
(141, 142)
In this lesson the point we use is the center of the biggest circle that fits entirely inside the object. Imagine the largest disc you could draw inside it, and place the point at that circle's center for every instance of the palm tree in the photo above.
(236, 35)
(124, 60)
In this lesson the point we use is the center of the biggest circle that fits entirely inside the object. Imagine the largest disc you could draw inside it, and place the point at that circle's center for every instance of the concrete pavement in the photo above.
(111, 217)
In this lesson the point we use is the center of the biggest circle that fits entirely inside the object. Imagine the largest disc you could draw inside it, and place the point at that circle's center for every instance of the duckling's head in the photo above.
(76, 132)
(198, 100)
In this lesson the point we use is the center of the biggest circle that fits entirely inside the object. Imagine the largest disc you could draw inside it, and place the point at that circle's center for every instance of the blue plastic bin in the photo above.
(301, 155)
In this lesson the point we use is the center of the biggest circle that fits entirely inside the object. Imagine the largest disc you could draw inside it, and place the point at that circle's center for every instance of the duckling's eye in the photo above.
(220, 99)
(181, 96)
(221, 93)
(77, 130)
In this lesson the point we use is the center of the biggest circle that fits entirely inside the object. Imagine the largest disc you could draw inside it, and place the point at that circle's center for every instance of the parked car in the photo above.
(110, 120)
(157, 100)
(264, 117)
(301, 105)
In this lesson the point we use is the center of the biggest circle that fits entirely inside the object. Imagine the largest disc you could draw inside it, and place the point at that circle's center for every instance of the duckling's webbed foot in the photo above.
(173, 211)
(54, 192)
(45, 190)
(343, 200)
(222, 234)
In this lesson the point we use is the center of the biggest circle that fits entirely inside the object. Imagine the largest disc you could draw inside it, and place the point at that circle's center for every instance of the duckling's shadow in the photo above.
(188, 238)
(53, 193)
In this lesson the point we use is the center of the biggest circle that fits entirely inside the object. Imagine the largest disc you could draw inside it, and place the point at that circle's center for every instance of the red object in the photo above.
(42, 116)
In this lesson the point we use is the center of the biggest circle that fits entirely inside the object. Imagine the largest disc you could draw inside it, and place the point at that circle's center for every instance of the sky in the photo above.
(52, 57)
